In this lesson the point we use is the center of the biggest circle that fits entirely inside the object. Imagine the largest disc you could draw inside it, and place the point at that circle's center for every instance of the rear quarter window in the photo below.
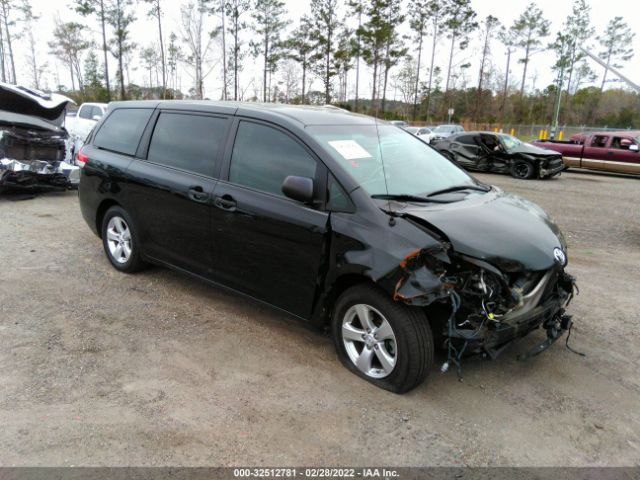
(122, 130)
(187, 141)
(465, 139)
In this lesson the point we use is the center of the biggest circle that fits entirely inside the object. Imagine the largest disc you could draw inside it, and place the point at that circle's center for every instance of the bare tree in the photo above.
(419, 16)
(436, 11)
(198, 41)
(290, 80)
(508, 39)
(405, 82)
(7, 9)
(35, 68)
(489, 25)
(174, 56)
(357, 8)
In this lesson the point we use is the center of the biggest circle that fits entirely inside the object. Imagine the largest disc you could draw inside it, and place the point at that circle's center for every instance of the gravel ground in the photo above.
(101, 368)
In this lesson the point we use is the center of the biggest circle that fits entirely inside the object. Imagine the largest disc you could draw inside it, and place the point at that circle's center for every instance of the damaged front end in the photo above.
(33, 142)
(487, 309)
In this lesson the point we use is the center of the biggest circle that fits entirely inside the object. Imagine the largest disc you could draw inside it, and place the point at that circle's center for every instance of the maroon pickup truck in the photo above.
(607, 151)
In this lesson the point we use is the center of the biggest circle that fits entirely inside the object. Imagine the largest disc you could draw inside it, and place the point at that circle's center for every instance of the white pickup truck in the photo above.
(80, 124)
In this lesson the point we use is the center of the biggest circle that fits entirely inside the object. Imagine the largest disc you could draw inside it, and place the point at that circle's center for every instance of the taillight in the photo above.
(81, 158)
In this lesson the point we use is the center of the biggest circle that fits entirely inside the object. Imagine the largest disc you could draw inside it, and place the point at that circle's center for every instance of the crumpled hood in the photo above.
(503, 229)
(529, 149)
(22, 106)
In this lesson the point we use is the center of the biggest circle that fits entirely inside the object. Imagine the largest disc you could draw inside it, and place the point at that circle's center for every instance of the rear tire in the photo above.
(120, 241)
(391, 348)
(522, 169)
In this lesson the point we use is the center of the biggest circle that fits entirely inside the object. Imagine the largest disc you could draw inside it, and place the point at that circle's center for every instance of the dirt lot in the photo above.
(101, 368)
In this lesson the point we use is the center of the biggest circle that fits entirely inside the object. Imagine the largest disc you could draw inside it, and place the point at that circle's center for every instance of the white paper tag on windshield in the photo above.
(350, 149)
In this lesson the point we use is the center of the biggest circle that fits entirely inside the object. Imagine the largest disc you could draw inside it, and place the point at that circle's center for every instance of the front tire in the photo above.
(522, 169)
(120, 241)
(385, 342)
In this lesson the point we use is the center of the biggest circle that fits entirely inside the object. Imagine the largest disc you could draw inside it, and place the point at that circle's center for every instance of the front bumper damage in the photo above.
(33, 142)
(551, 167)
(488, 309)
(36, 176)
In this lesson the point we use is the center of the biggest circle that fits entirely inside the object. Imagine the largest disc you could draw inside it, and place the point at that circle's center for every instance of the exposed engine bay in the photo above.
(486, 309)
(33, 142)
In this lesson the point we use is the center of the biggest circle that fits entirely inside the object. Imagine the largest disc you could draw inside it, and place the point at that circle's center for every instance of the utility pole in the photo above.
(556, 108)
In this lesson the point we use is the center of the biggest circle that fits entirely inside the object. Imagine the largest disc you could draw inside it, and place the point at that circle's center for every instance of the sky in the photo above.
(144, 33)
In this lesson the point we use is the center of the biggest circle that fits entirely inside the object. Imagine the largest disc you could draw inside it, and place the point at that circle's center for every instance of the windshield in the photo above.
(413, 130)
(509, 142)
(397, 164)
(443, 129)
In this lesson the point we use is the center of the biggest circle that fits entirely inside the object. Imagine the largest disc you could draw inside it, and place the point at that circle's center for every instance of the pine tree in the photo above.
(235, 11)
(325, 29)
(616, 42)
(529, 29)
(119, 16)
(460, 22)
(268, 16)
(97, 7)
(300, 48)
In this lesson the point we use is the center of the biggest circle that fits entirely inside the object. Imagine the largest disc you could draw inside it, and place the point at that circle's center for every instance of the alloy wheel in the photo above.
(369, 341)
(119, 239)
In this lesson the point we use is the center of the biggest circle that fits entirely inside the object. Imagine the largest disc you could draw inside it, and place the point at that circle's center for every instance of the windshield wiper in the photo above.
(406, 198)
(456, 188)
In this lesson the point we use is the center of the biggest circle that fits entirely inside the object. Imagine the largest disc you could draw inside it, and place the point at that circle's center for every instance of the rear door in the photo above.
(172, 185)
(595, 151)
(265, 244)
(467, 150)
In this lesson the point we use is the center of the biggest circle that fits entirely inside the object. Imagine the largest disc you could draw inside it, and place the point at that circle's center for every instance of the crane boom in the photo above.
(598, 60)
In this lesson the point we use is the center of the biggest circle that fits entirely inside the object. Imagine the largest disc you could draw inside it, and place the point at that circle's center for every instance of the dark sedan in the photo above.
(500, 153)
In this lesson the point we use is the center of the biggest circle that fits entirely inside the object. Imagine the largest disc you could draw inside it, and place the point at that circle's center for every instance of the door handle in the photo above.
(226, 202)
(198, 194)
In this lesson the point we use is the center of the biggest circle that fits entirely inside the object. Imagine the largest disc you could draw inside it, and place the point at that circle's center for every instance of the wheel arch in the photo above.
(102, 210)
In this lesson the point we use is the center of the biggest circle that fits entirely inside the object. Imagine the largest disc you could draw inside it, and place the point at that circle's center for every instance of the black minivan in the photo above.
(338, 219)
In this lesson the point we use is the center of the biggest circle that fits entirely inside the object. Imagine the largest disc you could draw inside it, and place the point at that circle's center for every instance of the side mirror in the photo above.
(298, 188)
(634, 148)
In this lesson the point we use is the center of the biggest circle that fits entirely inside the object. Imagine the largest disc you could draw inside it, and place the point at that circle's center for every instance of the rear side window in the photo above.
(96, 112)
(121, 132)
(85, 112)
(263, 157)
(599, 141)
(189, 142)
(466, 139)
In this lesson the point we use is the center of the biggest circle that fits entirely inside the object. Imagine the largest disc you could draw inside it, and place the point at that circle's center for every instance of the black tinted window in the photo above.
(263, 157)
(189, 142)
(466, 139)
(122, 130)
